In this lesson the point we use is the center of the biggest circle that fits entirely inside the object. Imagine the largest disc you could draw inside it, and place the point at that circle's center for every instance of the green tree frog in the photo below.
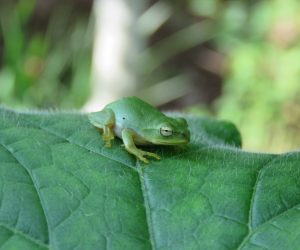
(138, 123)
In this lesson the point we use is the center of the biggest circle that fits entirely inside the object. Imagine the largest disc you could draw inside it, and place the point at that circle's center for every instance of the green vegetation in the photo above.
(261, 90)
(61, 189)
(44, 65)
(238, 59)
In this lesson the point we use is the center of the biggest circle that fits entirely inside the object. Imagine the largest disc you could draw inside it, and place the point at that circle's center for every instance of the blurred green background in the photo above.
(235, 60)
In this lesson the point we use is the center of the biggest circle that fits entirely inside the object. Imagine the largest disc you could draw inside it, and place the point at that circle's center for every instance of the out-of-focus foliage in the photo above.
(262, 90)
(260, 70)
(238, 58)
(48, 66)
(177, 61)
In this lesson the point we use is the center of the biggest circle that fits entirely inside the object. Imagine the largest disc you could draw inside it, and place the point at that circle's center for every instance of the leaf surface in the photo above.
(61, 189)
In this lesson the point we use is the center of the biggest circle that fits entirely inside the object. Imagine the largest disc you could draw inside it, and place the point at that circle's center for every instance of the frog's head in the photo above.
(172, 131)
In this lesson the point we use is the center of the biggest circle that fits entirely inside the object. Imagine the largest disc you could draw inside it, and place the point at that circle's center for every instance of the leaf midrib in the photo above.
(144, 192)
(143, 188)
(137, 168)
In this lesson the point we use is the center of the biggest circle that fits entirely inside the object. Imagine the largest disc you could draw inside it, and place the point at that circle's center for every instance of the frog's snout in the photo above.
(188, 135)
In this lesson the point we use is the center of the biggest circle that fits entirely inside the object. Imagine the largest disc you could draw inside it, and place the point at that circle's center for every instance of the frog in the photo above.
(136, 122)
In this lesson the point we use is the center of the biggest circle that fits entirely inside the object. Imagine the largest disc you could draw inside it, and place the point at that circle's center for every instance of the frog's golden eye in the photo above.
(166, 131)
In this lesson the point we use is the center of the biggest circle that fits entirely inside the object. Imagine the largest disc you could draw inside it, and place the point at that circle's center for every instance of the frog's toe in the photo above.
(151, 154)
(108, 137)
(143, 159)
(107, 140)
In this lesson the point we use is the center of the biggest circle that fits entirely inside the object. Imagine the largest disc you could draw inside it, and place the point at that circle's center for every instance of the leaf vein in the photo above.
(147, 207)
(35, 187)
(81, 146)
(252, 203)
(28, 237)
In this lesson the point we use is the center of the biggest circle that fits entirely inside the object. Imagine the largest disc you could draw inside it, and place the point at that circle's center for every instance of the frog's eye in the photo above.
(166, 131)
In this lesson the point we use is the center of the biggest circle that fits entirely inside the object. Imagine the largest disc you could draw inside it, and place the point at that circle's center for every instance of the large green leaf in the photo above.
(61, 189)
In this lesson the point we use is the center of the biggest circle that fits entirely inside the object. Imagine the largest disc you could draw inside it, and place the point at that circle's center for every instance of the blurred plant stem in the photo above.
(116, 45)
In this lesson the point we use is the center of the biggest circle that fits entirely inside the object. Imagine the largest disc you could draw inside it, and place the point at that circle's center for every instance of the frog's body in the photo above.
(138, 123)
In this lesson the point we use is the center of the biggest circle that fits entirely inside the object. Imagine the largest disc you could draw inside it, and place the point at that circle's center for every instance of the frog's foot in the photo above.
(140, 154)
(108, 136)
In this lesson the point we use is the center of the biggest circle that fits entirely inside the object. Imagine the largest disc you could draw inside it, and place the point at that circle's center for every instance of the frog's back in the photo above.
(131, 101)
(130, 112)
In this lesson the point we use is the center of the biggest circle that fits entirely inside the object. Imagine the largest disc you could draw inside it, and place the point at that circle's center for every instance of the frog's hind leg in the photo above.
(104, 120)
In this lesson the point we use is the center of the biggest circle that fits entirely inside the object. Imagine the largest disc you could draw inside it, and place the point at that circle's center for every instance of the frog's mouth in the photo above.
(170, 143)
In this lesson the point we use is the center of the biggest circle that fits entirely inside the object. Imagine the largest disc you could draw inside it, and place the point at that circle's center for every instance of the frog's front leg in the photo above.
(104, 120)
(127, 136)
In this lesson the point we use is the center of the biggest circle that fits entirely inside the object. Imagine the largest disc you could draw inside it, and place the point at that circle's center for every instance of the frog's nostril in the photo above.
(187, 134)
